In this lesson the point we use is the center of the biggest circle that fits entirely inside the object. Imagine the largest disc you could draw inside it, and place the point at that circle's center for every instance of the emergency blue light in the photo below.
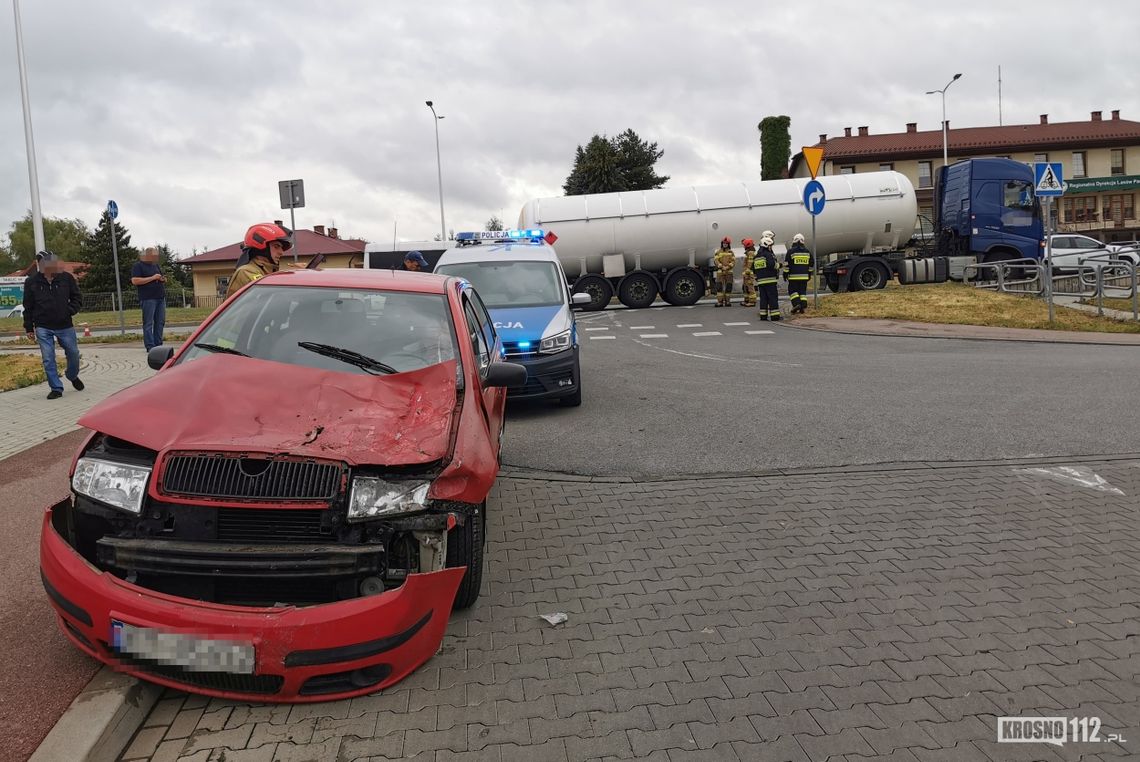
(524, 345)
(533, 234)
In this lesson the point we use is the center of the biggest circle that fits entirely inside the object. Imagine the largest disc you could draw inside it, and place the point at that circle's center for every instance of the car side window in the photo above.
(485, 323)
(475, 335)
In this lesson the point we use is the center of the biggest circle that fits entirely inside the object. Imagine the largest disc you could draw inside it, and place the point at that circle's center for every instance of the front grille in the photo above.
(236, 477)
(272, 526)
(512, 348)
(262, 685)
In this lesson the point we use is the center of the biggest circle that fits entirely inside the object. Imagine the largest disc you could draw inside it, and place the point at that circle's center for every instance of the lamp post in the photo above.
(945, 129)
(29, 141)
(439, 171)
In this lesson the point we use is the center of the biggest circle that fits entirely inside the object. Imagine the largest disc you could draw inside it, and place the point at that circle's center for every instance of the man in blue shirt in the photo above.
(150, 281)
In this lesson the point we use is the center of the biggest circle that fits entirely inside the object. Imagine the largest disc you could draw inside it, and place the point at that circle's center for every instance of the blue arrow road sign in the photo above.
(113, 209)
(814, 197)
(1048, 179)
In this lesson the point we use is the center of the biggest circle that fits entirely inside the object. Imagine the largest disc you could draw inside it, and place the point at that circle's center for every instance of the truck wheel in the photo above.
(599, 289)
(465, 548)
(869, 276)
(684, 287)
(637, 290)
(833, 285)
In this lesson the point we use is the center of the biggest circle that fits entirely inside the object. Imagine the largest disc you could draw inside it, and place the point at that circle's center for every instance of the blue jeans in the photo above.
(66, 338)
(154, 320)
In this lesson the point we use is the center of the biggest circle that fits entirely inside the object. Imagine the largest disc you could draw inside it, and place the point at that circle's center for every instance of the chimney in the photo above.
(1096, 116)
(1116, 115)
(319, 229)
(846, 132)
(863, 132)
(823, 137)
(912, 126)
(332, 233)
(1044, 119)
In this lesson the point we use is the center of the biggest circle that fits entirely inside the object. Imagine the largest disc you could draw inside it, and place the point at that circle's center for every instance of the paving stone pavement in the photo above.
(29, 418)
(847, 616)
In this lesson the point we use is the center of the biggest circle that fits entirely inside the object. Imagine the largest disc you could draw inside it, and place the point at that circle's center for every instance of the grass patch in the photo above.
(21, 369)
(960, 304)
(1124, 305)
(168, 338)
(111, 319)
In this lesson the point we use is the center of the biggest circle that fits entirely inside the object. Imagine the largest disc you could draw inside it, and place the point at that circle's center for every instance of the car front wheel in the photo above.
(465, 548)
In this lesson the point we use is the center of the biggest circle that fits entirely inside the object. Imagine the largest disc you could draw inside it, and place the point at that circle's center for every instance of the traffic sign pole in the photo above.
(113, 213)
(1049, 255)
(815, 267)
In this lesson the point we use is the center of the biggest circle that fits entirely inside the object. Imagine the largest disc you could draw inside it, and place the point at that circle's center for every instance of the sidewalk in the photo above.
(872, 327)
(29, 418)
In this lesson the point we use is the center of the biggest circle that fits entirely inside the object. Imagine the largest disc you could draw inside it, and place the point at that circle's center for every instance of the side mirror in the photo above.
(506, 374)
(580, 299)
(159, 356)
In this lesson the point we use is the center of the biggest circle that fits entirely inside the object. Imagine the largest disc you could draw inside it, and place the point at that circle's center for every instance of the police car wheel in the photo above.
(465, 548)
(572, 400)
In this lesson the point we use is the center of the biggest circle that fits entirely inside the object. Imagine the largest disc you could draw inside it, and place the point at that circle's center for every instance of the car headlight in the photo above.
(373, 498)
(556, 343)
(119, 485)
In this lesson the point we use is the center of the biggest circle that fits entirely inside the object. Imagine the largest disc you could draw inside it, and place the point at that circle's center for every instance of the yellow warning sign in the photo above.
(813, 155)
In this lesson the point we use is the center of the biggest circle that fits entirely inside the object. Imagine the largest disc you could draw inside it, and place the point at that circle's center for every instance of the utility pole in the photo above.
(439, 171)
(29, 140)
(945, 126)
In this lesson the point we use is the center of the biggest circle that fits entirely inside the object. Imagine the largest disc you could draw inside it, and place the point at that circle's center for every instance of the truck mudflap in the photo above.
(279, 654)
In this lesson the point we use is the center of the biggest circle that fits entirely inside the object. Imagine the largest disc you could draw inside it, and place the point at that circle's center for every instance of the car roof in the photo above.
(499, 252)
(344, 277)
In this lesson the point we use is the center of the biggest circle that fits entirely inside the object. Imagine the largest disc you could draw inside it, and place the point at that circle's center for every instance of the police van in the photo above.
(521, 282)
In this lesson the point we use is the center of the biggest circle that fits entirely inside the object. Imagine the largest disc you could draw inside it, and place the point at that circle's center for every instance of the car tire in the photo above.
(572, 400)
(465, 548)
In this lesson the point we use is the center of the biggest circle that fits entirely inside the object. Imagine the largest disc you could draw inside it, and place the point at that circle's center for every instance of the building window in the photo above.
(1078, 166)
(887, 167)
(1119, 207)
(1117, 161)
(221, 284)
(924, 174)
(1080, 209)
(847, 170)
(1040, 157)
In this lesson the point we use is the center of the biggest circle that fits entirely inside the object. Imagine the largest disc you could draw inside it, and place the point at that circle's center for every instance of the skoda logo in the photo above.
(253, 467)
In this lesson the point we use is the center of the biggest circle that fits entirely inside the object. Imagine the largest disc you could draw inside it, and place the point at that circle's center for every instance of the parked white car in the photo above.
(1071, 251)
(15, 312)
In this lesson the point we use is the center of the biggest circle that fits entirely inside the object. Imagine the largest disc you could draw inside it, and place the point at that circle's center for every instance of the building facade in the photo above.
(1101, 160)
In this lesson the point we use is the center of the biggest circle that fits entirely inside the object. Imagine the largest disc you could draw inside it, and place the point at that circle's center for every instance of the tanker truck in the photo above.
(644, 243)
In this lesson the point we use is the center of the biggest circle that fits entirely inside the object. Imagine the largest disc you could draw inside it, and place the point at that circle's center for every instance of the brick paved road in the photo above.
(842, 616)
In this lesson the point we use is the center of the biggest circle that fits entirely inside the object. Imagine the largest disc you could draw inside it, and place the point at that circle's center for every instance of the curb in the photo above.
(792, 324)
(101, 721)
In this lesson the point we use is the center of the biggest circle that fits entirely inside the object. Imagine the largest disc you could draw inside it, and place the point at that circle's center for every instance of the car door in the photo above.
(498, 396)
(489, 397)
(1064, 253)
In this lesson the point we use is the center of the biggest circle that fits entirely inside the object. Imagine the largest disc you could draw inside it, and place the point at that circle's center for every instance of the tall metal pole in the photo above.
(29, 140)
(815, 266)
(945, 136)
(1049, 255)
(118, 284)
(293, 222)
(439, 171)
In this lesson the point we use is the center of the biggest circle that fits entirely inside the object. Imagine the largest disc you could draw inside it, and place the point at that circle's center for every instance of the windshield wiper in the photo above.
(348, 356)
(219, 349)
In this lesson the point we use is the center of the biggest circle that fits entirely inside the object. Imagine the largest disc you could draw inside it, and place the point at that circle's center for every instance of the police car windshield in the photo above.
(511, 283)
(401, 330)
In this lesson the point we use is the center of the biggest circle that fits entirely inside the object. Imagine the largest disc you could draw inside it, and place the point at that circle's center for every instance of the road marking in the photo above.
(690, 325)
(642, 327)
(759, 333)
(598, 328)
(708, 333)
(603, 337)
(654, 335)
(689, 306)
(731, 324)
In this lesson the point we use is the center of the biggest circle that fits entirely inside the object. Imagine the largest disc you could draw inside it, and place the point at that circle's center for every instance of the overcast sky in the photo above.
(188, 113)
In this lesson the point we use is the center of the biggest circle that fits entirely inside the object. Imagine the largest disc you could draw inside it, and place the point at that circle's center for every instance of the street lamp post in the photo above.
(945, 129)
(29, 141)
(439, 171)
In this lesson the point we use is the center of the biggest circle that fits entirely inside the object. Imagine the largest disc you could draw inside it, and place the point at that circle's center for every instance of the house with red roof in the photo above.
(1100, 157)
(212, 269)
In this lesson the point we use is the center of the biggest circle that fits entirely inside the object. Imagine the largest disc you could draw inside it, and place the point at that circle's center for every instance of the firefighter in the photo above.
(748, 277)
(798, 273)
(725, 261)
(767, 271)
(263, 247)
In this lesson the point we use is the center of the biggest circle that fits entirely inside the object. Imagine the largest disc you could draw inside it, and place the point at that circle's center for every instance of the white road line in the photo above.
(654, 335)
(759, 333)
(731, 324)
(642, 327)
(708, 333)
(603, 337)
(690, 325)
(689, 306)
(598, 328)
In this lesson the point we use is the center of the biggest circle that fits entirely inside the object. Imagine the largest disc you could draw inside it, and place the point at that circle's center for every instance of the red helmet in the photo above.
(259, 236)
(748, 243)
(725, 242)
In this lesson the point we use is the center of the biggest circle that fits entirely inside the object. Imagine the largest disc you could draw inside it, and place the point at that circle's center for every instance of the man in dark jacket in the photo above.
(51, 297)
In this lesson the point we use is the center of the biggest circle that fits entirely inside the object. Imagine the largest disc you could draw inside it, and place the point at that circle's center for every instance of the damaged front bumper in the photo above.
(279, 653)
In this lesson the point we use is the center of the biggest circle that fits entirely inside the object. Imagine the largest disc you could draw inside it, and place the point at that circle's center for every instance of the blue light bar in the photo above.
(534, 234)
(524, 345)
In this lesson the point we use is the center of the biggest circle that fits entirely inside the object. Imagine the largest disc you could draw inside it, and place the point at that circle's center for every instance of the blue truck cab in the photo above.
(520, 280)
(986, 209)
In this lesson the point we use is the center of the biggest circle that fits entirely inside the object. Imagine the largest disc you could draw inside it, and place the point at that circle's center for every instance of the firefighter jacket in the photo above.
(253, 270)
(724, 260)
(765, 267)
(799, 262)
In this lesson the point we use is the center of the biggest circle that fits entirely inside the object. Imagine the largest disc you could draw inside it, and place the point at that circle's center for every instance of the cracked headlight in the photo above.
(373, 498)
(556, 343)
(120, 485)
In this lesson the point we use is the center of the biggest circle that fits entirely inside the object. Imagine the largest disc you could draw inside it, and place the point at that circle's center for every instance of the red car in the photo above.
(289, 510)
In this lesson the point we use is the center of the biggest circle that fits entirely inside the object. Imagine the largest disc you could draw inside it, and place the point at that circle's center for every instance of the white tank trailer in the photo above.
(643, 243)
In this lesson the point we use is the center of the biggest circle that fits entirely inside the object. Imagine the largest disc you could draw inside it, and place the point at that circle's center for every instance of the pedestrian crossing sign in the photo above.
(1047, 179)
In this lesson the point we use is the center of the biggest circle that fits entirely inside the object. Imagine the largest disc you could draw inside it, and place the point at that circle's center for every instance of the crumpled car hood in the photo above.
(227, 403)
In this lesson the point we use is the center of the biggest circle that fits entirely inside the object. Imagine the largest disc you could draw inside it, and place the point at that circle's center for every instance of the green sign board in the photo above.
(11, 294)
(1102, 184)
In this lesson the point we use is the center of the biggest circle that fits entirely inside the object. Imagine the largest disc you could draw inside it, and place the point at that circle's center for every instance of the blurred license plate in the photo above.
(188, 651)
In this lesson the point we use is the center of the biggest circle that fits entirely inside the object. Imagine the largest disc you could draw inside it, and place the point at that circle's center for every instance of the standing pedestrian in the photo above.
(798, 273)
(262, 248)
(151, 284)
(725, 261)
(414, 262)
(767, 271)
(748, 278)
(51, 298)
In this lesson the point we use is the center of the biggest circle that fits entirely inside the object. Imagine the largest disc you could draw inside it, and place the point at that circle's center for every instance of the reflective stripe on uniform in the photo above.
(799, 277)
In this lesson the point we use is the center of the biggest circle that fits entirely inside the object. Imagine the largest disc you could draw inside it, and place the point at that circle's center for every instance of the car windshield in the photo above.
(400, 330)
(511, 283)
